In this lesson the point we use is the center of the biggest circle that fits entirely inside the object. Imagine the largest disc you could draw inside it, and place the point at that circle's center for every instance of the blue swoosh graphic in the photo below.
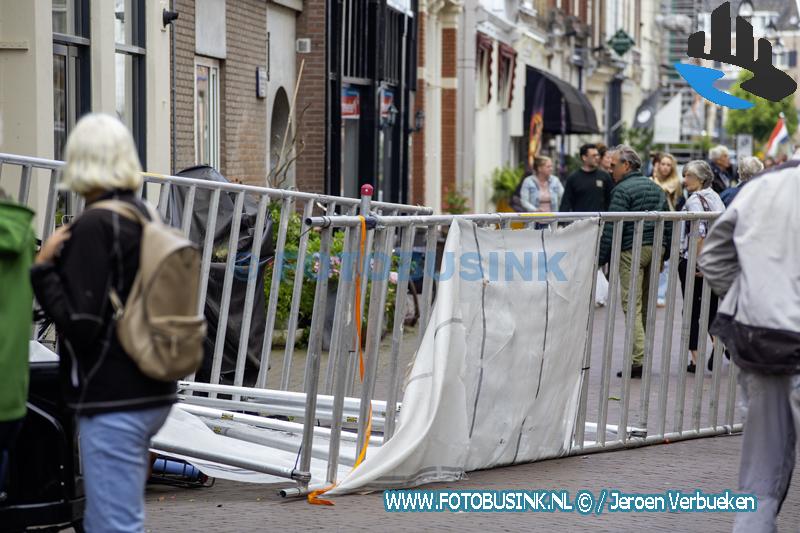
(702, 80)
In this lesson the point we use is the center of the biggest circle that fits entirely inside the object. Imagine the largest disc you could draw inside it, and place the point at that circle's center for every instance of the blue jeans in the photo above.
(663, 279)
(114, 459)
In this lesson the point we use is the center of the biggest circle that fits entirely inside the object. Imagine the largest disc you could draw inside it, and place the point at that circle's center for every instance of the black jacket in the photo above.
(723, 179)
(97, 375)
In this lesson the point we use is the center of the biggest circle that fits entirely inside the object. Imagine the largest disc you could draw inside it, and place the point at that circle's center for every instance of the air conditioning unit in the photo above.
(303, 46)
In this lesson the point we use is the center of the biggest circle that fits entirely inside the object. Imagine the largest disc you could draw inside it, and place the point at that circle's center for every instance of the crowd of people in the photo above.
(748, 256)
(617, 179)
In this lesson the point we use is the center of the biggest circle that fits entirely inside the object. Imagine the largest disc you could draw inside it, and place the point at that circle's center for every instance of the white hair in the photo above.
(101, 155)
(701, 170)
(749, 167)
(717, 152)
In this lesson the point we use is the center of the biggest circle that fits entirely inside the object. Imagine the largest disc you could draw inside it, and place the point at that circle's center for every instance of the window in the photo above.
(71, 80)
(129, 58)
(786, 59)
(206, 112)
(483, 63)
(507, 64)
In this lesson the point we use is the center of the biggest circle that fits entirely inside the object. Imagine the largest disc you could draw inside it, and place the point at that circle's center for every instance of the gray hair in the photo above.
(749, 167)
(717, 152)
(628, 154)
(701, 170)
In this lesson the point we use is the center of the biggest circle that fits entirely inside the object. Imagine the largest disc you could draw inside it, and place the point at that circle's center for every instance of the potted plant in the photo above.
(505, 181)
(455, 203)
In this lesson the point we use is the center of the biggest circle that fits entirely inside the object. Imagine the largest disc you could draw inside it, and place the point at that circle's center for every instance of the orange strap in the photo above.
(360, 273)
(314, 496)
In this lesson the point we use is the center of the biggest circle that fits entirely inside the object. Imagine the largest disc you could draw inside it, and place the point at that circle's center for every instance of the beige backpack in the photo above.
(159, 326)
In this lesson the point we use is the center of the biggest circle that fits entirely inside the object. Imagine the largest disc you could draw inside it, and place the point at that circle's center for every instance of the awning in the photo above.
(579, 116)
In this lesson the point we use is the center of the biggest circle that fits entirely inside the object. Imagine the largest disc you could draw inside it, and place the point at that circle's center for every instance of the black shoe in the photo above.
(711, 360)
(691, 368)
(636, 371)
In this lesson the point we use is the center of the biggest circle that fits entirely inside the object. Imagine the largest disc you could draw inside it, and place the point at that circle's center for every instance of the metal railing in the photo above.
(611, 413)
(647, 411)
(275, 386)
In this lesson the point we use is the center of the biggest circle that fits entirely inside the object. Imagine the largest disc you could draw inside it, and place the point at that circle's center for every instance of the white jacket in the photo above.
(752, 256)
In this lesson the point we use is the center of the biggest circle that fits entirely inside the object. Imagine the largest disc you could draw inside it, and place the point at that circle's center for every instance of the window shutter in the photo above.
(486, 45)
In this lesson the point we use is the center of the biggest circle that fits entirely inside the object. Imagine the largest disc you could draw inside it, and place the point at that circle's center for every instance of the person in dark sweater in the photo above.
(589, 188)
(634, 192)
(719, 160)
(118, 408)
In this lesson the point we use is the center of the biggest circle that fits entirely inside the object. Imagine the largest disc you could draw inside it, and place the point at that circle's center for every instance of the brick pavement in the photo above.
(708, 464)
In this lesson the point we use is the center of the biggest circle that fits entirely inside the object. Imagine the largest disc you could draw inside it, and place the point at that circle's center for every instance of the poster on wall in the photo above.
(387, 102)
(537, 123)
(351, 103)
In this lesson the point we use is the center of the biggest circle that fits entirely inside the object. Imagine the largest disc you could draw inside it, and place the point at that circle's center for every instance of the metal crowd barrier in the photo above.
(330, 407)
(278, 388)
(649, 411)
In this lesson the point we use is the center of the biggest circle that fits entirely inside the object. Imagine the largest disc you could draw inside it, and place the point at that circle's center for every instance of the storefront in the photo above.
(372, 52)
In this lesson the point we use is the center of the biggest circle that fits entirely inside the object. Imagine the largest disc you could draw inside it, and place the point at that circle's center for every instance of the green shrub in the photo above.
(505, 181)
(294, 233)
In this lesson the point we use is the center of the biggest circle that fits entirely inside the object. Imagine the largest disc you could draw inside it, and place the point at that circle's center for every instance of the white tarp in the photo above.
(496, 379)
(192, 432)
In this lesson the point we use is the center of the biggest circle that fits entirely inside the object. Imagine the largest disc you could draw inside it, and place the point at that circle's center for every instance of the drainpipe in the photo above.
(403, 185)
(172, 90)
(465, 114)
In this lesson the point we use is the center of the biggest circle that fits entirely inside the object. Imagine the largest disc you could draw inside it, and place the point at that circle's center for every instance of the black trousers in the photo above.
(8, 435)
(694, 330)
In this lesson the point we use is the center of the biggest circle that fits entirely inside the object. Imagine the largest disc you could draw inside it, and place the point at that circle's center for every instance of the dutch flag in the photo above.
(779, 135)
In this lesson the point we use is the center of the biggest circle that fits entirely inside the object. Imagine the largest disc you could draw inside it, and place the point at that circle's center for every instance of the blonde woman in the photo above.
(541, 191)
(118, 408)
(665, 174)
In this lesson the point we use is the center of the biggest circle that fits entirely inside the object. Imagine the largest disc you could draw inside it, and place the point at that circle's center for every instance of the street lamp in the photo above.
(771, 32)
(746, 9)
(778, 49)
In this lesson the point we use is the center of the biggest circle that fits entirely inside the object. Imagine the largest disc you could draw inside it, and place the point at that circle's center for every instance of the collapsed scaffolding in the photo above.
(253, 422)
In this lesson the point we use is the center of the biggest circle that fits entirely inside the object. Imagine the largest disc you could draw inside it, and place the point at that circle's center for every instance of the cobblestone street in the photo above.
(708, 464)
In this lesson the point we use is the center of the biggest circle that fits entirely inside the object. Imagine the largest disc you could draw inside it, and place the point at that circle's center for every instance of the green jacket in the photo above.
(17, 247)
(635, 193)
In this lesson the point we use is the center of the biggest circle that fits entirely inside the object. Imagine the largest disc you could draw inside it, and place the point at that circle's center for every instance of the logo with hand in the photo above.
(767, 82)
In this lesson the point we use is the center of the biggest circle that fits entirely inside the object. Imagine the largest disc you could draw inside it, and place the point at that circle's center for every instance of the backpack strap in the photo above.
(127, 210)
(703, 201)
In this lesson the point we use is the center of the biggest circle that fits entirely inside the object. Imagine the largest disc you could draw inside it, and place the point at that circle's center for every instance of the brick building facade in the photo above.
(311, 162)
(242, 115)
(219, 119)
